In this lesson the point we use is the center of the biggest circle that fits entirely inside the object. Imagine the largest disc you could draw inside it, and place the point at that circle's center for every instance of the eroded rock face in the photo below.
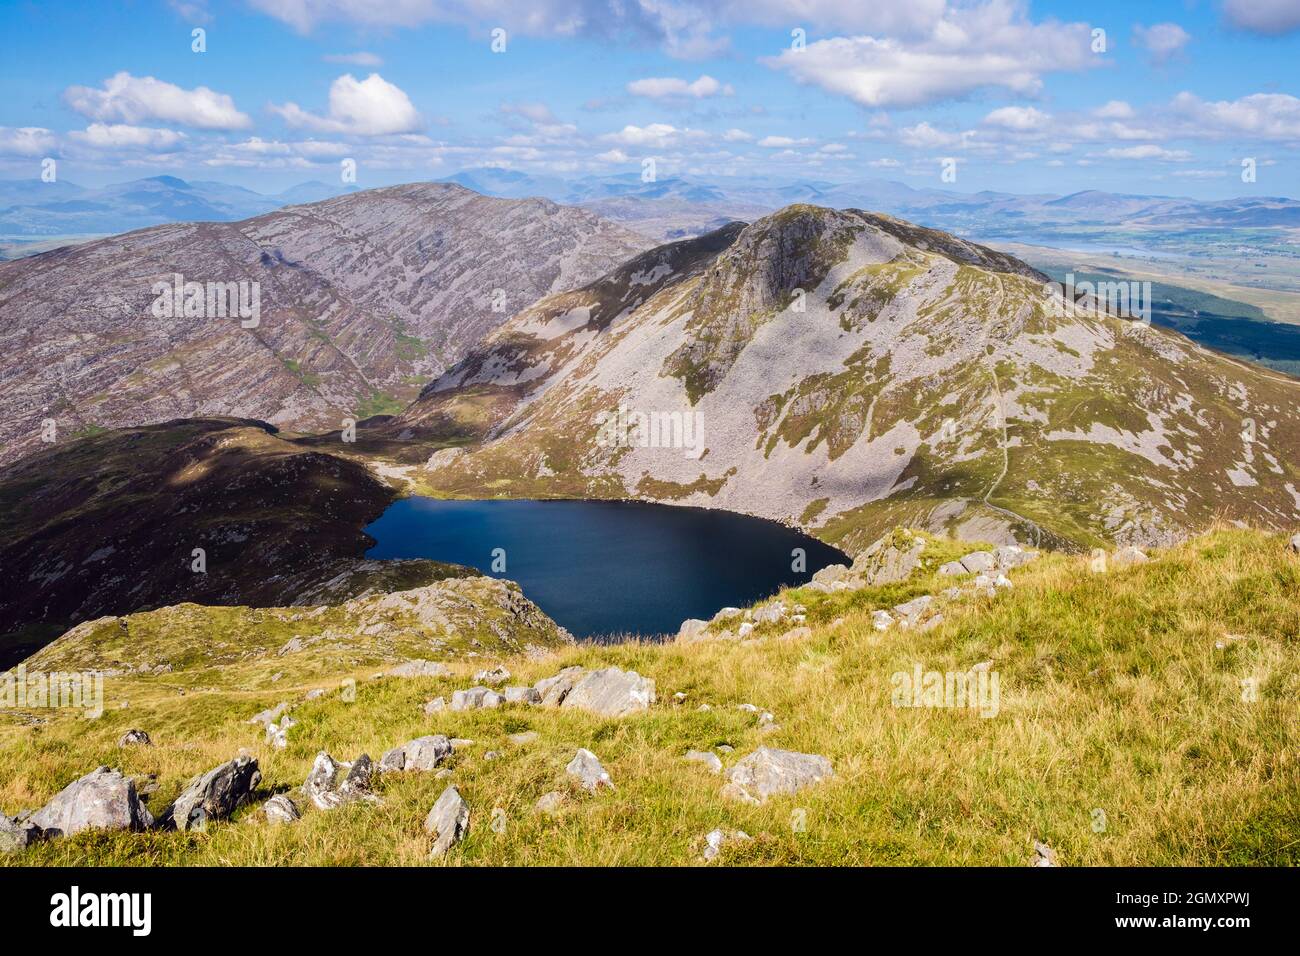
(102, 799)
(611, 693)
(767, 772)
(214, 795)
(448, 821)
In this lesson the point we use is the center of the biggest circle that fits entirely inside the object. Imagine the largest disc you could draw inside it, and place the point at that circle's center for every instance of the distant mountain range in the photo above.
(670, 208)
(675, 207)
(31, 208)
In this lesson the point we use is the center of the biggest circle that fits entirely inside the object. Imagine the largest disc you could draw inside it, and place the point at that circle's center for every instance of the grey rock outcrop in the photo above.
(611, 692)
(707, 757)
(493, 675)
(585, 767)
(134, 738)
(420, 668)
(420, 754)
(281, 809)
(102, 799)
(448, 821)
(979, 561)
(475, 698)
(214, 795)
(767, 772)
(555, 689)
(18, 835)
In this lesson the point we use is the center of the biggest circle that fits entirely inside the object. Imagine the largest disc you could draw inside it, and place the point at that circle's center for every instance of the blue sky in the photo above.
(1025, 97)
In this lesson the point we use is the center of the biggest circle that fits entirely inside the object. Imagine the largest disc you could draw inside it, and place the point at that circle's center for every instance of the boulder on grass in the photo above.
(102, 799)
(585, 767)
(281, 809)
(611, 693)
(767, 772)
(18, 835)
(448, 821)
(214, 795)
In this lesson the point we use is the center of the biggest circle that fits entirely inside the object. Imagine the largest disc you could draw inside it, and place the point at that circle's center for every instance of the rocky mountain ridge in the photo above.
(850, 372)
(361, 299)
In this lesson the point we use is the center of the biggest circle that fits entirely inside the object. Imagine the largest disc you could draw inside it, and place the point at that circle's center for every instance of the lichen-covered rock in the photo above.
(611, 692)
(881, 620)
(550, 803)
(322, 783)
(102, 799)
(281, 809)
(134, 738)
(18, 835)
(214, 795)
(448, 821)
(952, 568)
(1043, 855)
(767, 772)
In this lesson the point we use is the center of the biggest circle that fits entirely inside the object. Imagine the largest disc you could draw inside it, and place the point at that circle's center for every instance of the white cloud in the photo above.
(1163, 40)
(992, 46)
(834, 149)
(657, 135)
(360, 58)
(369, 107)
(135, 99)
(885, 163)
(533, 112)
(1148, 151)
(925, 136)
(682, 29)
(121, 136)
(779, 142)
(1114, 109)
(738, 136)
(664, 87)
(1270, 17)
(1019, 118)
(612, 156)
(1261, 115)
(26, 141)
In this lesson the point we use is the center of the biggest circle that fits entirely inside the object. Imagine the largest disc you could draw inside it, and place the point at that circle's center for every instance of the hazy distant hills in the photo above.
(669, 208)
(31, 208)
(676, 207)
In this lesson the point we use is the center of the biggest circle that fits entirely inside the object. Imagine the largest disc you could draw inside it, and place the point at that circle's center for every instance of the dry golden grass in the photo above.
(1114, 698)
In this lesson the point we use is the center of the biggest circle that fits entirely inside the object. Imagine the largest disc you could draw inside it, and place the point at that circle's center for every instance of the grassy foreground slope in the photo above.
(1121, 692)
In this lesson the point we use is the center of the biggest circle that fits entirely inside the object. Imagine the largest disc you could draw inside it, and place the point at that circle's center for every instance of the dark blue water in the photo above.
(606, 568)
